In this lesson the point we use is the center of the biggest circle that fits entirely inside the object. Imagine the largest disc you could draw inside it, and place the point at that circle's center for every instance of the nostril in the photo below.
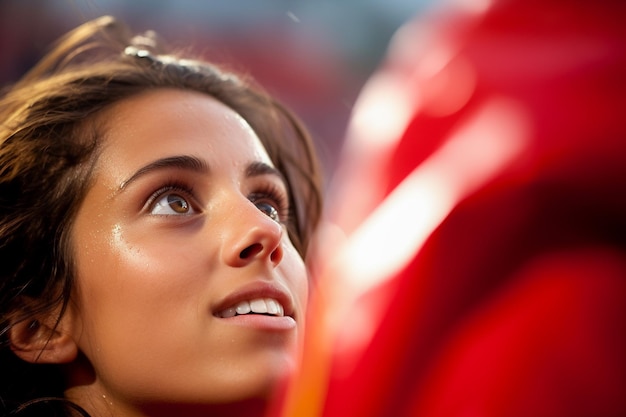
(277, 255)
(251, 250)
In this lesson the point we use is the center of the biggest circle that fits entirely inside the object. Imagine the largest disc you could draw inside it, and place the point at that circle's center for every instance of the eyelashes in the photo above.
(179, 199)
(272, 201)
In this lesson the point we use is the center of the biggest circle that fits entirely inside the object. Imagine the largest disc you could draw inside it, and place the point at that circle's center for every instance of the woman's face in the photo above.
(188, 288)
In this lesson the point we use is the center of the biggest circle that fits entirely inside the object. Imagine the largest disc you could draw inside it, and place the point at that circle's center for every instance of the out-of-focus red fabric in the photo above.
(514, 304)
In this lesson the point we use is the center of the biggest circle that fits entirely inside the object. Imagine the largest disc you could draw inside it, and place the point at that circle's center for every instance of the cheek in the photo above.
(296, 274)
(297, 277)
(127, 280)
(132, 294)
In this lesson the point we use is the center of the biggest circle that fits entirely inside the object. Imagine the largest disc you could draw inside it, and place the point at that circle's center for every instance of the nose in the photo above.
(252, 236)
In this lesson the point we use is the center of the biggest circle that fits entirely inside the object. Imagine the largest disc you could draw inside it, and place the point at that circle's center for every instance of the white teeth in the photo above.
(258, 305)
(272, 306)
(243, 307)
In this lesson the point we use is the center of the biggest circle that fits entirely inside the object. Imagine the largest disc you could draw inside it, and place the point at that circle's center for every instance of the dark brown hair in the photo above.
(49, 141)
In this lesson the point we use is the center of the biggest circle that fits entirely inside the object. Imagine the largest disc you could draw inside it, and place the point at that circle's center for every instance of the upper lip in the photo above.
(257, 290)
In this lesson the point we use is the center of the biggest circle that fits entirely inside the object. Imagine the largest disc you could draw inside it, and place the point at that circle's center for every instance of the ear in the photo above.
(43, 340)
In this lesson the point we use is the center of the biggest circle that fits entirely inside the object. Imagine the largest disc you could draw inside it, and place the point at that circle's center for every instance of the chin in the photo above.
(251, 398)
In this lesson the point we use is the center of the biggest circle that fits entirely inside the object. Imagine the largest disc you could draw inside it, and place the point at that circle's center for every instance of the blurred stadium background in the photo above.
(314, 55)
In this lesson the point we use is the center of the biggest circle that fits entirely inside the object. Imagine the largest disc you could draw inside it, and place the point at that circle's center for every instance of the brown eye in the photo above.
(177, 203)
(172, 204)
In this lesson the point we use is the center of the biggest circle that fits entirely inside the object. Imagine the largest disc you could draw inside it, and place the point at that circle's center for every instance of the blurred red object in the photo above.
(483, 198)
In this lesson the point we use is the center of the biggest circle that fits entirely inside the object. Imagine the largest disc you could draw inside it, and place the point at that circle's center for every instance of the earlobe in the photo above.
(36, 341)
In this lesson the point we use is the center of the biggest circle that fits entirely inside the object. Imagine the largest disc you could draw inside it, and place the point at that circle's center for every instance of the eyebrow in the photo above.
(194, 164)
(189, 163)
(256, 169)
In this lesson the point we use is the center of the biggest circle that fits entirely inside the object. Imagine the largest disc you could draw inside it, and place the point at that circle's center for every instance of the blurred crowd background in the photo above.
(314, 55)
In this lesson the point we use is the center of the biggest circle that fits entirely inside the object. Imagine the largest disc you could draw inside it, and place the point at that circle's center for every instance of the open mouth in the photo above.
(263, 306)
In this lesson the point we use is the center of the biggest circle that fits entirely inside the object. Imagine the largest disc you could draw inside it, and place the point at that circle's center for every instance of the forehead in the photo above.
(166, 122)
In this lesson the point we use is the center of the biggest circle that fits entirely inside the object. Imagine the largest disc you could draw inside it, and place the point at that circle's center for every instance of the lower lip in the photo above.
(261, 322)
